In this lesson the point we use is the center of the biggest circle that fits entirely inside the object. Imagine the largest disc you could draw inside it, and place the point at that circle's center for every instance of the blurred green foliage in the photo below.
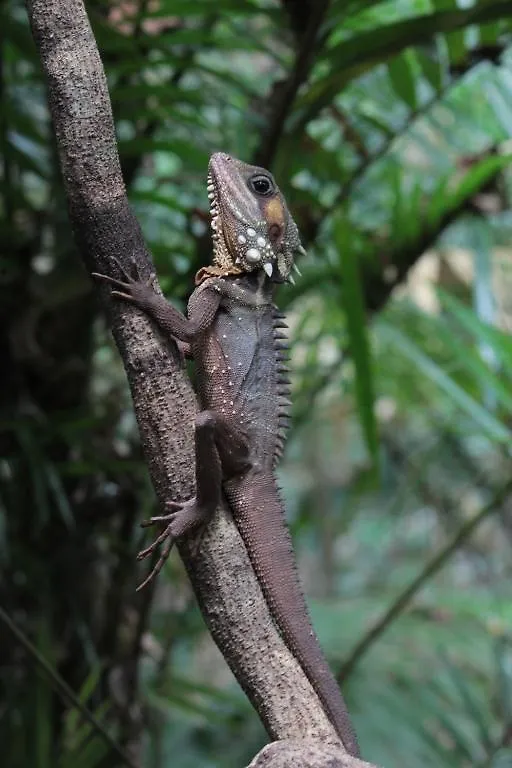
(388, 127)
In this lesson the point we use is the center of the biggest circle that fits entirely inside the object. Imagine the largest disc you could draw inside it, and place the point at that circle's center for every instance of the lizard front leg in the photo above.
(182, 516)
(220, 448)
(130, 287)
(221, 451)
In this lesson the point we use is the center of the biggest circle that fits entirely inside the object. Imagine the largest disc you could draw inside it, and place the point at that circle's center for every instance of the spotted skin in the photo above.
(237, 339)
(251, 229)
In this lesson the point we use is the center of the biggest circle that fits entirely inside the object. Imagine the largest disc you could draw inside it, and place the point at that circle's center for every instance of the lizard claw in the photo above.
(183, 517)
(128, 278)
(131, 287)
(153, 520)
(120, 295)
(152, 547)
(166, 551)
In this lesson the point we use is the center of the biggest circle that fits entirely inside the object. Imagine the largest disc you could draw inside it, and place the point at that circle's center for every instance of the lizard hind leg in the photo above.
(184, 517)
(233, 447)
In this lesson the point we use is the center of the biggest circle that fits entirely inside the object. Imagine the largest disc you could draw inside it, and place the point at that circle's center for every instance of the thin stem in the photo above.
(63, 688)
(434, 565)
(305, 56)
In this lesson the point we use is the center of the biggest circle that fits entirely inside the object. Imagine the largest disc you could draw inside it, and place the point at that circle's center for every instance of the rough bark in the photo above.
(105, 227)
(304, 754)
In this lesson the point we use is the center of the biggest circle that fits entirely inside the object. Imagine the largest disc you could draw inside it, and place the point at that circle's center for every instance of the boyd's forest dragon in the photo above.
(236, 337)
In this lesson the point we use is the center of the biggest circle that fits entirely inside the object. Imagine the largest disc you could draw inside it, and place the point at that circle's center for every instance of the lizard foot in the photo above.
(131, 287)
(166, 551)
(183, 517)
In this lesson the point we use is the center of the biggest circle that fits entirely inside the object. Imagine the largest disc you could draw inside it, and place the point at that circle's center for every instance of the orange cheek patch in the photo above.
(274, 212)
(274, 216)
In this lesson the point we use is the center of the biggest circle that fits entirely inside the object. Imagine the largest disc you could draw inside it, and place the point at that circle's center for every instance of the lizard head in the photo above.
(252, 226)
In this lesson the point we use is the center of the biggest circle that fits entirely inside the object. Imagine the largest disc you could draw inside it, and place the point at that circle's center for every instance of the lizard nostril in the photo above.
(274, 231)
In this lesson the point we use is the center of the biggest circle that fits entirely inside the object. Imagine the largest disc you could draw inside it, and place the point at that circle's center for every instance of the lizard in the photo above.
(237, 340)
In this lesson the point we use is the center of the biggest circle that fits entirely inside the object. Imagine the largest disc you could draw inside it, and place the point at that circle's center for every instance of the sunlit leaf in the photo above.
(354, 57)
(460, 398)
(403, 79)
(500, 342)
(353, 304)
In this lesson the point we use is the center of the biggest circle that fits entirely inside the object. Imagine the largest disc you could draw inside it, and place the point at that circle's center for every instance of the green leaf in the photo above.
(195, 157)
(406, 209)
(368, 113)
(43, 736)
(432, 69)
(57, 490)
(74, 721)
(449, 196)
(352, 58)
(500, 342)
(456, 44)
(476, 708)
(494, 428)
(403, 80)
(490, 33)
(437, 203)
(471, 361)
(498, 96)
(476, 177)
(353, 305)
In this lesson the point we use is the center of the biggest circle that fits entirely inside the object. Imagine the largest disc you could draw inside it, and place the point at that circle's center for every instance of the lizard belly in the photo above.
(243, 382)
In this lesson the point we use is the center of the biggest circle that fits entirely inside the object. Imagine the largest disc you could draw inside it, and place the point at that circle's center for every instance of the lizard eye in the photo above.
(261, 185)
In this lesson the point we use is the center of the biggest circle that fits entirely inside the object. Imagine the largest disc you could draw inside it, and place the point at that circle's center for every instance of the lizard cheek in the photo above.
(274, 215)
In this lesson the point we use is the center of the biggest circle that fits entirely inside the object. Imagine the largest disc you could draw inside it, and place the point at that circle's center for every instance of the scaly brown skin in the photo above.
(236, 339)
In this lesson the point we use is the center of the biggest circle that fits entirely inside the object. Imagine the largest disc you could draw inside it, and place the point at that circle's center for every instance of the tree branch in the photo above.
(105, 227)
(264, 155)
(306, 754)
(299, 13)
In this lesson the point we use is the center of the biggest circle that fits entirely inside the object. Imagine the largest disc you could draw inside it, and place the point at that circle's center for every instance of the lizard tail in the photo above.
(259, 515)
